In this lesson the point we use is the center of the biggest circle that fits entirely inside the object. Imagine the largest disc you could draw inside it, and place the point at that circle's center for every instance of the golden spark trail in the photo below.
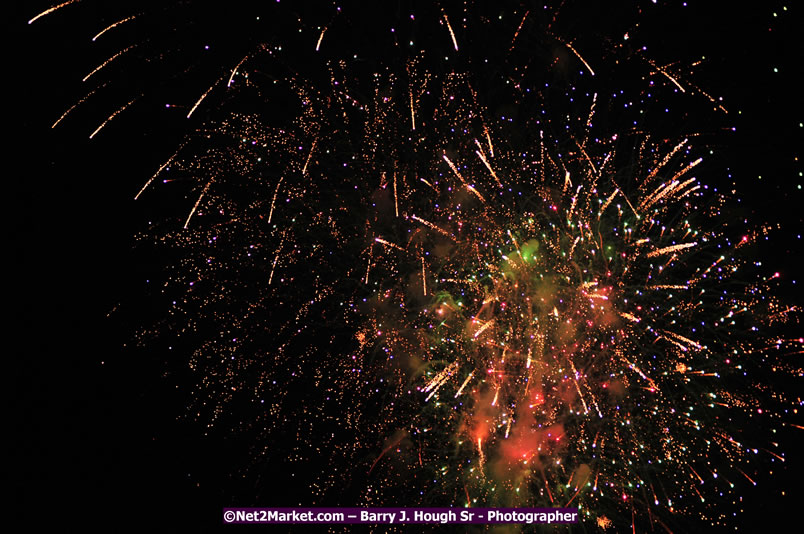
(684, 339)
(433, 226)
(585, 155)
(579, 57)
(114, 25)
(429, 184)
(234, 71)
(607, 203)
(320, 38)
(310, 155)
(666, 159)
(661, 69)
(368, 265)
(516, 33)
(634, 367)
(591, 111)
(110, 117)
(76, 104)
(273, 201)
(451, 33)
(669, 287)
(51, 10)
(396, 199)
(483, 328)
(424, 278)
(479, 152)
(663, 191)
(99, 67)
(670, 249)
(630, 317)
(197, 202)
(271, 276)
(384, 242)
(412, 114)
(439, 380)
(198, 102)
(578, 387)
(488, 138)
(158, 171)
(469, 187)
(460, 390)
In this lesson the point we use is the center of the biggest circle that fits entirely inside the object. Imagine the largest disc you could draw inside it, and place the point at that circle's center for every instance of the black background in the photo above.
(95, 429)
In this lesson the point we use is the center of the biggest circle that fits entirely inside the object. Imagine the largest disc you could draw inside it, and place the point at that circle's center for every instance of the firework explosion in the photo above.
(461, 281)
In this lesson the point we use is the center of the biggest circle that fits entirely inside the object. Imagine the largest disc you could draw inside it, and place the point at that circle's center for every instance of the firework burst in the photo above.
(460, 282)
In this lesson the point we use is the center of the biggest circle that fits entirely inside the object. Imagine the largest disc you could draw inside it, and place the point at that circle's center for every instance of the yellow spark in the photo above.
(666, 189)
(684, 339)
(197, 202)
(670, 249)
(310, 155)
(234, 71)
(579, 57)
(158, 171)
(468, 186)
(572, 248)
(661, 69)
(396, 199)
(483, 328)
(451, 33)
(412, 114)
(320, 38)
(431, 225)
(516, 33)
(384, 242)
(460, 390)
(76, 105)
(424, 278)
(578, 387)
(439, 380)
(51, 10)
(482, 156)
(488, 138)
(110, 117)
(99, 67)
(113, 25)
(591, 111)
(428, 183)
(632, 318)
(608, 201)
(368, 265)
(633, 366)
(273, 201)
(198, 102)
(482, 456)
(276, 259)
(666, 159)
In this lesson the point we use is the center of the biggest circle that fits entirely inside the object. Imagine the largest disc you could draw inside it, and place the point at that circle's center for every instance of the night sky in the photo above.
(99, 429)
